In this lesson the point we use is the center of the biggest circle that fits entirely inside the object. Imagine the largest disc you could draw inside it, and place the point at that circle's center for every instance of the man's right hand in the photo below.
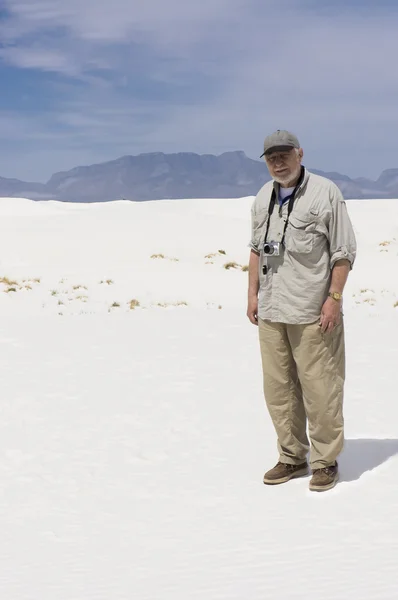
(252, 309)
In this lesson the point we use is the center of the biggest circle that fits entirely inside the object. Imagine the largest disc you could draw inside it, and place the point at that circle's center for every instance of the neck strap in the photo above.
(292, 199)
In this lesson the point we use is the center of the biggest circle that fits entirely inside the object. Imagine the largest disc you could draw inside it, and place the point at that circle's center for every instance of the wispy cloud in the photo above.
(78, 30)
(208, 76)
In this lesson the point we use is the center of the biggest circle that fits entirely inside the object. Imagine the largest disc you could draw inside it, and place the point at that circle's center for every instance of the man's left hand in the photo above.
(330, 315)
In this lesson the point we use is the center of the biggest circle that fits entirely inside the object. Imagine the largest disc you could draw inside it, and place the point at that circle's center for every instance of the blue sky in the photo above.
(85, 81)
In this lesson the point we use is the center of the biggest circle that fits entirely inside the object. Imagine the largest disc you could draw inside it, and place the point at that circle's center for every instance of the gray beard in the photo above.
(286, 180)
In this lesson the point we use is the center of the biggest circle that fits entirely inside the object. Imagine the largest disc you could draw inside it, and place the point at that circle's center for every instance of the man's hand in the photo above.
(252, 309)
(330, 315)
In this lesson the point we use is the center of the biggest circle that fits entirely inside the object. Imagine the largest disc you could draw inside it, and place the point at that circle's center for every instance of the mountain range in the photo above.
(156, 176)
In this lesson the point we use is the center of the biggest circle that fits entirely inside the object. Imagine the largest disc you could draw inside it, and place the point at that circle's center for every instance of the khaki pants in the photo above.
(304, 373)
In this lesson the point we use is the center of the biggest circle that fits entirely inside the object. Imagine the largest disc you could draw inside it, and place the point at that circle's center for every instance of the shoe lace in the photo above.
(326, 470)
(289, 467)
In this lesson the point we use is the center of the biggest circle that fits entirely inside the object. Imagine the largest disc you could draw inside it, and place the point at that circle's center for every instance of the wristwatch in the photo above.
(335, 295)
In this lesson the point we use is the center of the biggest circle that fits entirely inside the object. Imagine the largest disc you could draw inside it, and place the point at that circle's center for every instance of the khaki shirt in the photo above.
(318, 234)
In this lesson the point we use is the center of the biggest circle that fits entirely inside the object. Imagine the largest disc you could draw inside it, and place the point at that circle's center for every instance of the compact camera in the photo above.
(272, 248)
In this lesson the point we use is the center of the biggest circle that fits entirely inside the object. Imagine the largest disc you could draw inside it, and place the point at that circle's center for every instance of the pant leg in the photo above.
(282, 392)
(320, 360)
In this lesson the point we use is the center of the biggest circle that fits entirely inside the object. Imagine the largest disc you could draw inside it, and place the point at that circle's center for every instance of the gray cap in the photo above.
(281, 139)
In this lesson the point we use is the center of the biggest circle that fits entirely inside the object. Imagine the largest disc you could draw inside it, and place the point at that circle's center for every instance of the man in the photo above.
(302, 249)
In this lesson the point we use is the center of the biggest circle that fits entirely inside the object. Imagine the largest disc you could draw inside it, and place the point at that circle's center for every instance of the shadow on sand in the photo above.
(362, 455)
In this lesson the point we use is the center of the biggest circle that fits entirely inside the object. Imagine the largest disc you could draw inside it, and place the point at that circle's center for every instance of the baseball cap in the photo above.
(280, 140)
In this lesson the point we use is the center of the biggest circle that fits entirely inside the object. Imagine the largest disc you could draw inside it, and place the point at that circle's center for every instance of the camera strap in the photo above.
(272, 203)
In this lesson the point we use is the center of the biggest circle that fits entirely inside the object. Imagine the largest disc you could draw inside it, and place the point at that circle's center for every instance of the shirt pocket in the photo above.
(300, 233)
(260, 227)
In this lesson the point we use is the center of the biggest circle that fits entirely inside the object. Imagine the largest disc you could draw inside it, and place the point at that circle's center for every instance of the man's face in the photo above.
(284, 166)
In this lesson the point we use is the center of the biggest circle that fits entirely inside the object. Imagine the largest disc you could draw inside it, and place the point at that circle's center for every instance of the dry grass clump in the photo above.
(167, 304)
(133, 304)
(172, 258)
(7, 281)
(231, 265)
(15, 286)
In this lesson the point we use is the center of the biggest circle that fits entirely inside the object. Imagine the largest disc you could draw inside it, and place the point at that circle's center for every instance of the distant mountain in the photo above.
(157, 176)
(14, 188)
(388, 180)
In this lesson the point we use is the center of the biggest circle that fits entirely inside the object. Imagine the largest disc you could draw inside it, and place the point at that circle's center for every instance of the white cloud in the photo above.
(39, 58)
(115, 19)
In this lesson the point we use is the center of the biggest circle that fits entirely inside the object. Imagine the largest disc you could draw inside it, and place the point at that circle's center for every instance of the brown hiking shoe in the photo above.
(324, 479)
(283, 472)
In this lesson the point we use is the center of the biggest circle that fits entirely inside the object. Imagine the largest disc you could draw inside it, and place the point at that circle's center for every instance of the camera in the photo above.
(272, 248)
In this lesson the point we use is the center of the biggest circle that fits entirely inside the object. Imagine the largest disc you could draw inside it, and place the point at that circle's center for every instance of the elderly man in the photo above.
(302, 249)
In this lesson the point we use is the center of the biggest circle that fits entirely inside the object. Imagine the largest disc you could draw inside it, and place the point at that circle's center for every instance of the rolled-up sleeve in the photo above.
(342, 239)
(256, 225)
